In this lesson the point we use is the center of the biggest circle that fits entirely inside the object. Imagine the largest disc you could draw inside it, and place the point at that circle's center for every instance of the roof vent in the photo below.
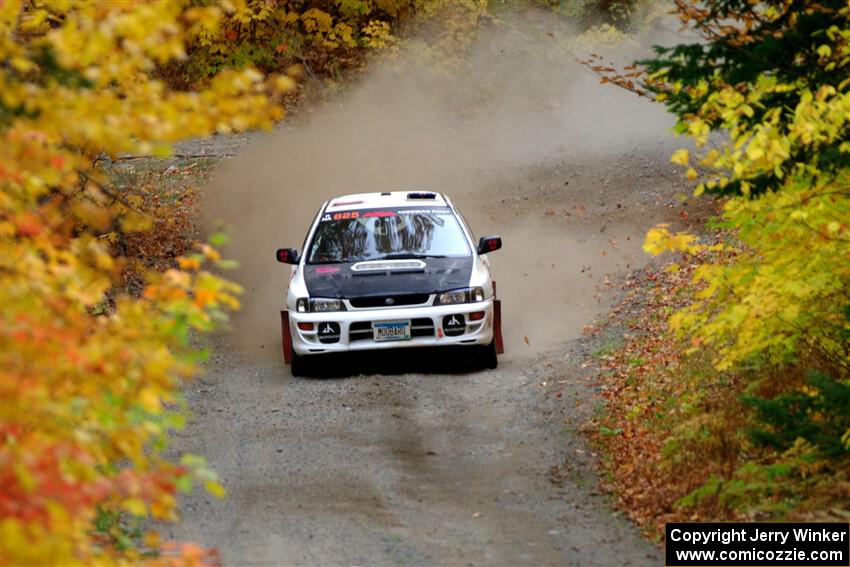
(422, 195)
(386, 194)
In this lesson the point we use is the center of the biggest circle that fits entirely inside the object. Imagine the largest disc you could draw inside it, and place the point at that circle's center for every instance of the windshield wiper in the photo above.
(407, 256)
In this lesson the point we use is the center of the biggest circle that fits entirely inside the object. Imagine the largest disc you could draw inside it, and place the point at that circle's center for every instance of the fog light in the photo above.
(476, 316)
(305, 326)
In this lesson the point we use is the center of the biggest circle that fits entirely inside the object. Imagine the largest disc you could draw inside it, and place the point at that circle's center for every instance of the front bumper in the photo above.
(355, 332)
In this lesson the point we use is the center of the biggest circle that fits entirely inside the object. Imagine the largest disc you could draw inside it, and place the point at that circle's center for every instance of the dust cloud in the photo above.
(521, 137)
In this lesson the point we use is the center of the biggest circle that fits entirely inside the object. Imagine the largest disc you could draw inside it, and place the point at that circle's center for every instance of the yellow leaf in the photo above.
(680, 157)
(135, 222)
(755, 152)
(215, 488)
(93, 215)
(284, 84)
(24, 477)
(135, 506)
(152, 540)
(149, 400)
(188, 263)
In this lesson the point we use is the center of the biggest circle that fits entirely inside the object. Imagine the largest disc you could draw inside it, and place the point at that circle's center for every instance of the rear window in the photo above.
(380, 234)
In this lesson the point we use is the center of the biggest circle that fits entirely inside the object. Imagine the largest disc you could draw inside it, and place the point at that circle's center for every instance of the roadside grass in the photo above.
(609, 347)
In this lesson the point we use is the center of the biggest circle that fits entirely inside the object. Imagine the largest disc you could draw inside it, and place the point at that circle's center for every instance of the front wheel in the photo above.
(299, 366)
(488, 357)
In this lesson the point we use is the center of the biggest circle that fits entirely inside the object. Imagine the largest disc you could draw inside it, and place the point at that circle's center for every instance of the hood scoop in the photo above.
(387, 266)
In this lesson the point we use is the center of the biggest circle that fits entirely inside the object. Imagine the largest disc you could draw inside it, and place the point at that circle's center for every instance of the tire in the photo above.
(488, 359)
(299, 366)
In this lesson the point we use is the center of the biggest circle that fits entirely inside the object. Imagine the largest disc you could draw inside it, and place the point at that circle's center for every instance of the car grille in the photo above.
(362, 330)
(389, 300)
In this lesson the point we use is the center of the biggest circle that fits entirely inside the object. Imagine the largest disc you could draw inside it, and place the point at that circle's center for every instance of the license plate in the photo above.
(392, 331)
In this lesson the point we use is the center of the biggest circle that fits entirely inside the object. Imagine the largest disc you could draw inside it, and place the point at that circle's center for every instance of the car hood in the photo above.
(431, 275)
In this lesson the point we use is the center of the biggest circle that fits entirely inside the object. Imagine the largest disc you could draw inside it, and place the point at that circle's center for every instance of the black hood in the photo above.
(339, 281)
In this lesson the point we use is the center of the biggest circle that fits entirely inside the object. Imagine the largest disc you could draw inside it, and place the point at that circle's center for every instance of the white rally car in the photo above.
(390, 270)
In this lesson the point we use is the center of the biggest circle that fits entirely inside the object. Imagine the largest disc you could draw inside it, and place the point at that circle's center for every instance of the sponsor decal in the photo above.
(328, 332)
(441, 211)
(454, 325)
(326, 270)
(382, 213)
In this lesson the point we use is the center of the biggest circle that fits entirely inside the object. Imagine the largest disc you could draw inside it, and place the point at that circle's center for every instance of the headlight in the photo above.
(321, 304)
(467, 295)
(318, 305)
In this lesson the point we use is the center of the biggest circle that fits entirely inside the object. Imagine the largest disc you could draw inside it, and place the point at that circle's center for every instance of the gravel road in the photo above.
(402, 467)
(416, 460)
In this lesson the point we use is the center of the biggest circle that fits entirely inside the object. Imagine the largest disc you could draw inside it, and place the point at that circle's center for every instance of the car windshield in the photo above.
(382, 234)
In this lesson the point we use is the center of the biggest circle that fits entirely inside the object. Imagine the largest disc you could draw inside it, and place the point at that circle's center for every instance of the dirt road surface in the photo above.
(416, 460)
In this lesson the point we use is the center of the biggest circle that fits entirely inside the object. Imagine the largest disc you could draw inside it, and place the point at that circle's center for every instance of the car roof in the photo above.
(387, 199)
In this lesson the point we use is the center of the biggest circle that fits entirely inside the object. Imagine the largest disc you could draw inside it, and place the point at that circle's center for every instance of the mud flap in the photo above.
(286, 337)
(497, 326)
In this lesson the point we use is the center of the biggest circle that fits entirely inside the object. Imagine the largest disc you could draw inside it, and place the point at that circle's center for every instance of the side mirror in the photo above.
(287, 255)
(489, 244)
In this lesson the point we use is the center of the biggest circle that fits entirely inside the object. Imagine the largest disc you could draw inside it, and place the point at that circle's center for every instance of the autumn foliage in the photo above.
(323, 39)
(785, 104)
(738, 404)
(91, 371)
